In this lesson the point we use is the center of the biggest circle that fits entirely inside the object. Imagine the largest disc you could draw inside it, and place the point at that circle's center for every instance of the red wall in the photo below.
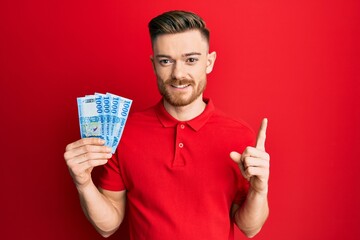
(295, 62)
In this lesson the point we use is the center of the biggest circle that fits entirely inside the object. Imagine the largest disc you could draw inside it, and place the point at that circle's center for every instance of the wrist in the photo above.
(82, 188)
(259, 192)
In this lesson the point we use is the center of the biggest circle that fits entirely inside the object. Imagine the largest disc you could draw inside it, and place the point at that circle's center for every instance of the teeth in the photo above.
(180, 86)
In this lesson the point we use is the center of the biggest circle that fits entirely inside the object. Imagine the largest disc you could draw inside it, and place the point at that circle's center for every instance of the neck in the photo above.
(188, 112)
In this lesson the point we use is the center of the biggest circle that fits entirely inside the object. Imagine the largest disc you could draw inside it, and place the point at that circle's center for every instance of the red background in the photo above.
(295, 62)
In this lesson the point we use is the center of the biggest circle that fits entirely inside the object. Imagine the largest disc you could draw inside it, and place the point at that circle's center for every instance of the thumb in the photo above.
(236, 157)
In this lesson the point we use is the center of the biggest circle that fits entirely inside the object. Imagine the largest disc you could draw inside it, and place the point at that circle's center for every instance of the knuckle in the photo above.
(82, 141)
(86, 156)
(87, 148)
(249, 150)
(69, 165)
(92, 163)
(247, 161)
(267, 164)
(102, 149)
(248, 172)
(66, 156)
(68, 147)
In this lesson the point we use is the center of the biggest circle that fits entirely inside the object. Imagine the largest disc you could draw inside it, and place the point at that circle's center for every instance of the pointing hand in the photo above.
(254, 162)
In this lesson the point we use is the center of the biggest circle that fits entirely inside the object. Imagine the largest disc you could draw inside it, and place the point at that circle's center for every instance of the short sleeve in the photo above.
(242, 190)
(110, 177)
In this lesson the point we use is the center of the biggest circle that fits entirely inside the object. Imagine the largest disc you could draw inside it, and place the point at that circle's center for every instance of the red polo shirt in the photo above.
(179, 178)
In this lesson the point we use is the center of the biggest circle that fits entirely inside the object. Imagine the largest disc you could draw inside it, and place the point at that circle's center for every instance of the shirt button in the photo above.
(181, 145)
(182, 126)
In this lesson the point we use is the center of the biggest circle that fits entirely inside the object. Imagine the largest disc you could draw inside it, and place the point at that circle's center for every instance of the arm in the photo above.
(104, 209)
(251, 216)
(254, 166)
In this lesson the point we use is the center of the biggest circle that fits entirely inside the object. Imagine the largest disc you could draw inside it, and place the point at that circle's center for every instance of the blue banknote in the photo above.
(103, 116)
(106, 117)
(90, 117)
(120, 108)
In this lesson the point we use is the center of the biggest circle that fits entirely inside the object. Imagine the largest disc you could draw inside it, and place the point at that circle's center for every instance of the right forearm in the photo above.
(99, 210)
(104, 209)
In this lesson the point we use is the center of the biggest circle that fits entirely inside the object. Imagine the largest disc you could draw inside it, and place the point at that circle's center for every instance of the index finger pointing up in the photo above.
(260, 140)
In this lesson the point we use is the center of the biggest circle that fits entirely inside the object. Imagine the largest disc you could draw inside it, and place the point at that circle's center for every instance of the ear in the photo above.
(211, 57)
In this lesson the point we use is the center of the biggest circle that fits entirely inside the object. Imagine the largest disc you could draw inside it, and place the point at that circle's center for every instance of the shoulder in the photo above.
(228, 121)
(141, 114)
(229, 127)
(224, 120)
(140, 119)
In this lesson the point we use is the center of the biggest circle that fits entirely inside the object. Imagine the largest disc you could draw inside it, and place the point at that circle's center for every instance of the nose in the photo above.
(178, 71)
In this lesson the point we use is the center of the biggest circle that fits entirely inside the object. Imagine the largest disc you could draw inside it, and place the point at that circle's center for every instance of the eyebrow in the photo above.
(183, 55)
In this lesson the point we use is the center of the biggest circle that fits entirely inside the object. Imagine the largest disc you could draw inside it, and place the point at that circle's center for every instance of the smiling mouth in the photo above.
(180, 86)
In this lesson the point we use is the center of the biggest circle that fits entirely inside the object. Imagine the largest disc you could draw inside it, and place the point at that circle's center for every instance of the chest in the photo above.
(179, 161)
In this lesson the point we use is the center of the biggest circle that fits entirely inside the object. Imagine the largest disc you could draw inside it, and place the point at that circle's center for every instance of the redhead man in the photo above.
(184, 169)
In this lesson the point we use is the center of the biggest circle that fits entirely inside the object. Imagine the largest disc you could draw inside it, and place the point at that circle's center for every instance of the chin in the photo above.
(178, 102)
(181, 101)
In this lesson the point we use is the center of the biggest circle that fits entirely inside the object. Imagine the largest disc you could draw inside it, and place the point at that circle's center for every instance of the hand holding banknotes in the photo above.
(83, 155)
(103, 116)
(102, 119)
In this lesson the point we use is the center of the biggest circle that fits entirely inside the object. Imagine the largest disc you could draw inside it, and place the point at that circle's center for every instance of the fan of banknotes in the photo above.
(103, 116)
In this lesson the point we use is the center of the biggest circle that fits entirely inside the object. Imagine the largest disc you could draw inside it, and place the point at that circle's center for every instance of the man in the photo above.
(172, 166)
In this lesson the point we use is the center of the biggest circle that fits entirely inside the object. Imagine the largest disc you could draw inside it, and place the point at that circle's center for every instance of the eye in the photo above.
(192, 60)
(165, 62)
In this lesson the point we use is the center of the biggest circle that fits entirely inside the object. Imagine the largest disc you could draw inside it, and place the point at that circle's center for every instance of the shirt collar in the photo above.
(196, 123)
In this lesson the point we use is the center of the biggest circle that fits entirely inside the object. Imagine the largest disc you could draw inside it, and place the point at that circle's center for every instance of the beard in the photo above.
(180, 99)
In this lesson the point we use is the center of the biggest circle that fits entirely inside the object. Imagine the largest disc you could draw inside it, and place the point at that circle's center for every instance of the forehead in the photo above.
(172, 44)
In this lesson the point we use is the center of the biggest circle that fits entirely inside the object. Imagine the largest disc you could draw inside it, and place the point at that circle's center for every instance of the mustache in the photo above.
(179, 81)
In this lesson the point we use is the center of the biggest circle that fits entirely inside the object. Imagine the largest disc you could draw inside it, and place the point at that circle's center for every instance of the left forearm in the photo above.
(251, 216)
(254, 165)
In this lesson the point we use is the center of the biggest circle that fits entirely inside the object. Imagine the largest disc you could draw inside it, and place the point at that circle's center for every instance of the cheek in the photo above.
(201, 68)
(199, 72)
(162, 73)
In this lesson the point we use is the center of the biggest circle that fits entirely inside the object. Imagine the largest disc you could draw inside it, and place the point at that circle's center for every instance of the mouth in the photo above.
(180, 86)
